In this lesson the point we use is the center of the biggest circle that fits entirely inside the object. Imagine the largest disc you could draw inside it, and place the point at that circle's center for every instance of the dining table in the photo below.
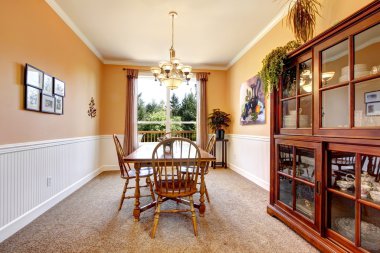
(142, 157)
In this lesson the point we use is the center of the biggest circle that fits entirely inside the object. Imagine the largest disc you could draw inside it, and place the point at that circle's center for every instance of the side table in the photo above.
(223, 163)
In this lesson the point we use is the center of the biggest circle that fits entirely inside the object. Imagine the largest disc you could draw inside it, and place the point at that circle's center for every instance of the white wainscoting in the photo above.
(71, 163)
(24, 172)
(249, 156)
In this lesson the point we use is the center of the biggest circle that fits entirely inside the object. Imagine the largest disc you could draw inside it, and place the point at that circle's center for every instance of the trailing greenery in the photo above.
(302, 18)
(218, 119)
(273, 65)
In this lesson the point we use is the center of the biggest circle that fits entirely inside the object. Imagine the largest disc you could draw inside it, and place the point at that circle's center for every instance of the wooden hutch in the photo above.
(325, 137)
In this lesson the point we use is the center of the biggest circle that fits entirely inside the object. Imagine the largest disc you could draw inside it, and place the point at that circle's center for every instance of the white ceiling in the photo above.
(208, 33)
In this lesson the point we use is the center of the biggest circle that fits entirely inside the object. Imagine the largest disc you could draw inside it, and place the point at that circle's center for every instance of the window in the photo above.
(160, 110)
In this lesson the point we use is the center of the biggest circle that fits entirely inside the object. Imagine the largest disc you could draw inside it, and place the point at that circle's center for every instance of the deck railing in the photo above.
(152, 136)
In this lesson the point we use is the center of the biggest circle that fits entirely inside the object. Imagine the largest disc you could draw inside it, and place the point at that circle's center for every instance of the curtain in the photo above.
(202, 129)
(130, 131)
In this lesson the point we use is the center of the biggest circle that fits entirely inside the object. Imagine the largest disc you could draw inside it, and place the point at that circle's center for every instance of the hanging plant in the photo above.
(302, 17)
(273, 65)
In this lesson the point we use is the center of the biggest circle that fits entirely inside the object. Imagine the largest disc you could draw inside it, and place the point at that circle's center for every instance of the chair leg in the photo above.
(208, 198)
(149, 182)
(194, 218)
(156, 216)
(123, 195)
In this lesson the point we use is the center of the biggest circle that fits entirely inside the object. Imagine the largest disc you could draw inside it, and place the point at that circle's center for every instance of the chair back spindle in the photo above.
(169, 157)
(120, 157)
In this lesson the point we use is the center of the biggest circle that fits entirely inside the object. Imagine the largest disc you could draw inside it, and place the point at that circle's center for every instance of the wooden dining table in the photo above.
(142, 157)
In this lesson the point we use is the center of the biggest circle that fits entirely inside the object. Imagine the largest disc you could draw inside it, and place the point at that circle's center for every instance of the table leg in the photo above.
(202, 207)
(225, 163)
(136, 210)
(223, 150)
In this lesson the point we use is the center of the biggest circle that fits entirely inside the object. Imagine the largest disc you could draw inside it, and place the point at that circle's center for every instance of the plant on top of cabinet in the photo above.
(273, 64)
(302, 17)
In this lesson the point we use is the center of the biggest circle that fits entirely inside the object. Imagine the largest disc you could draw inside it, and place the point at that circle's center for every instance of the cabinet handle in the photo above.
(319, 187)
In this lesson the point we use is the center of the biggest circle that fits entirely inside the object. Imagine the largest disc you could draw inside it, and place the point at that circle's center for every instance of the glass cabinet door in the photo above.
(296, 96)
(297, 179)
(353, 195)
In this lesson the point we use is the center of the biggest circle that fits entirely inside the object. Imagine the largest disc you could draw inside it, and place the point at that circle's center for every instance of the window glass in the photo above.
(335, 67)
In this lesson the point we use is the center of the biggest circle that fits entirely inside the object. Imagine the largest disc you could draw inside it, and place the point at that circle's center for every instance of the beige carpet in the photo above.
(88, 221)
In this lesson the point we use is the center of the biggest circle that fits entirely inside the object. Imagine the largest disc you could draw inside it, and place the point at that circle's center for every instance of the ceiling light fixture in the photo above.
(172, 73)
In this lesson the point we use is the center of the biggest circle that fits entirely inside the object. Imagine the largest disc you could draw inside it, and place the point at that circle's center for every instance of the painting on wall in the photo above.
(252, 102)
(43, 92)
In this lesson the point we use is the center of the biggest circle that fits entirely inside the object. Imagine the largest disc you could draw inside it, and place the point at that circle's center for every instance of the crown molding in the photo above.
(148, 64)
(62, 14)
(261, 34)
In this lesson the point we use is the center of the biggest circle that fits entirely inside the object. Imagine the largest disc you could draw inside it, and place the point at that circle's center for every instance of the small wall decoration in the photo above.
(92, 110)
(373, 109)
(58, 104)
(252, 102)
(47, 85)
(43, 92)
(32, 98)
(373, 96)
(33, 76)
(47, 104)
(59, 87)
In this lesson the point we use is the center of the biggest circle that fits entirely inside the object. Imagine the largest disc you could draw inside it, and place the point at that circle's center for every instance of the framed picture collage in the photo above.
(43, 92)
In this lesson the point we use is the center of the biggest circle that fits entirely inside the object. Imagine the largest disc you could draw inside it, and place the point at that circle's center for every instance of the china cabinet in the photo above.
(325, 137)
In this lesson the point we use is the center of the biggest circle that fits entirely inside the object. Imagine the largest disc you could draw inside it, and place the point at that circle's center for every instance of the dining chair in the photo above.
(127, 174)
(168, 135)
(209, 149)
(170, 157)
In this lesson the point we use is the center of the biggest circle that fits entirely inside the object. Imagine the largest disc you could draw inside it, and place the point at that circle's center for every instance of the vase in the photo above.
(219, 134)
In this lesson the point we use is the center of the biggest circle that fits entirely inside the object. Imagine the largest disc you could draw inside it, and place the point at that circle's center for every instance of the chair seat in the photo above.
(184, 170)
(176, 189)
(144, 172)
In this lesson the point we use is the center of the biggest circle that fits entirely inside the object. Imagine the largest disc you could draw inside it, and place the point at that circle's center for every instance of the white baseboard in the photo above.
(260, 182)
(17, 224)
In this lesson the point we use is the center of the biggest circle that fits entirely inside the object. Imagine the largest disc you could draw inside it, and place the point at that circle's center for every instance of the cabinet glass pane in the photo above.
(335, 64)
(367, 103)
(289, 114)
(335, 107)
(342, 171)
(305, 164)
(285, 192)
(286, 159)
(305, 85)
(370, 229)
(367, 52)
(289, 82)
(342, 216)
(305, 112)
(370, 177)
(305, 203)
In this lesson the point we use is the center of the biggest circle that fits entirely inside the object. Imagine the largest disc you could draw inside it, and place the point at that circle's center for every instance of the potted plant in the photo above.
(218, 120)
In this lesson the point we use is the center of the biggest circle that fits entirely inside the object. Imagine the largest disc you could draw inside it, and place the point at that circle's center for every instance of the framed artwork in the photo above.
(32, 98)
(59, 87)
(47, 85)
(373, 96)
(47, 104)
(33, 76)
(252, 102)
(373, 109)
(58, 104)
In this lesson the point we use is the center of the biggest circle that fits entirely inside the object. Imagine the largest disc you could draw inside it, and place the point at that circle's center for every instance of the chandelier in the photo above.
(172, 73)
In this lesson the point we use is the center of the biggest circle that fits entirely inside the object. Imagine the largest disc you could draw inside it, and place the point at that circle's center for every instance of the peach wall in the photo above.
(31, 32)
(113, 96)
(331, 13)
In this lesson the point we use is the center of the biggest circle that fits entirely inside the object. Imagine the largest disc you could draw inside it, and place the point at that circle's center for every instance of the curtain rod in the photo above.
(149, 70)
